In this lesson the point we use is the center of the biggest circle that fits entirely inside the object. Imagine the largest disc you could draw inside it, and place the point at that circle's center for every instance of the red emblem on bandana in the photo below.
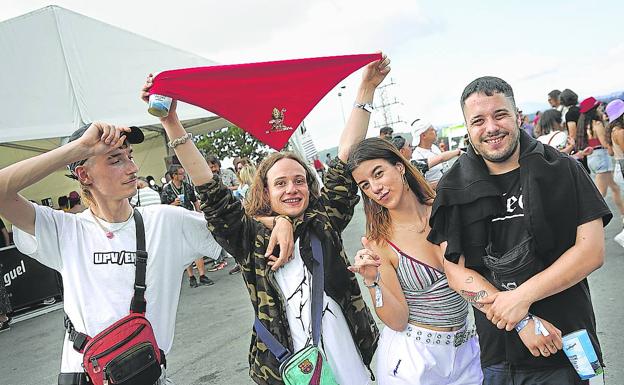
(245, 93)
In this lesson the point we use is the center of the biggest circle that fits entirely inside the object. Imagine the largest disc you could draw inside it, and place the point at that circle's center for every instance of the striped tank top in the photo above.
(429, 298)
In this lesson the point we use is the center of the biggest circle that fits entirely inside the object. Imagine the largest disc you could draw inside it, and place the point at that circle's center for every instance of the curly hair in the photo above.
(257, 202)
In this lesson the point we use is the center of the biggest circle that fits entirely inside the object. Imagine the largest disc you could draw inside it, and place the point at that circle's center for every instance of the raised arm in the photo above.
(357, 125)
(339, 193)
(227, 221)
(443, 157)
(100, 138)
(188, 154)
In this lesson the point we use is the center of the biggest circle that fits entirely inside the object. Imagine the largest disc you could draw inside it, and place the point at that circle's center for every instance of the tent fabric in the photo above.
(61, 69)
(270, 99)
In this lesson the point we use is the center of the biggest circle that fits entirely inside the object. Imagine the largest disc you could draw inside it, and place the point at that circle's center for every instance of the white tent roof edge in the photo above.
(80, 78)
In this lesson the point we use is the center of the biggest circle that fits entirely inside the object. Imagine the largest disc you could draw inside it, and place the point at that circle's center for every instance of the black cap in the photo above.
(135, 136)
(398, 141)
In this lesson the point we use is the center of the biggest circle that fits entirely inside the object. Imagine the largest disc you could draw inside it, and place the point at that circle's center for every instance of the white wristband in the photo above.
(375, 285)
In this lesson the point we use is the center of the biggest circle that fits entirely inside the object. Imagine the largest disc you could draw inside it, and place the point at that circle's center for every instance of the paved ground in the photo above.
(214, 323)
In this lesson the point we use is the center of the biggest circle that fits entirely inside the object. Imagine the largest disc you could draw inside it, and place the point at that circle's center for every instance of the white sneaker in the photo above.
(620, 238)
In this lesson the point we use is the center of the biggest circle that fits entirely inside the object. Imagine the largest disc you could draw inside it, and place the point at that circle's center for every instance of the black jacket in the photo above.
(466, 201)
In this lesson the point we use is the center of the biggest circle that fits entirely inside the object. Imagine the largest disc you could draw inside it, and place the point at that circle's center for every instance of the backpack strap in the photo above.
(138, 304)
(280, 352)
(318, 285)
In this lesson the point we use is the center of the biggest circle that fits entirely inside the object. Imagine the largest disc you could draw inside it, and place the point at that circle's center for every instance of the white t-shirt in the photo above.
(294, 280)
(435, 173)
(148, 197)
(98, 277)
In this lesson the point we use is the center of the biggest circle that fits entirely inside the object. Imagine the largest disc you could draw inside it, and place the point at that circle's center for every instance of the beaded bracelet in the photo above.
(178, 141)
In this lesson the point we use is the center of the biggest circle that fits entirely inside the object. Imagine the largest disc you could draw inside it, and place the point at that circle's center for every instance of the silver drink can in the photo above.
(159, 105)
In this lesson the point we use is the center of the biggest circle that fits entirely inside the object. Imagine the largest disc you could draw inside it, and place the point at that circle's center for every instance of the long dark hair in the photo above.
(548, 121)
(378, 221)
(617, 123)
(586, 123)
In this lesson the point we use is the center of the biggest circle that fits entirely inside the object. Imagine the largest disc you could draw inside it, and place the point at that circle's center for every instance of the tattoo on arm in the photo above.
(469, 280)
(473, 297)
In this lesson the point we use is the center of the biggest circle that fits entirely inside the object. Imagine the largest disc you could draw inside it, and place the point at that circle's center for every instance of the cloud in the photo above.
(332, 27)
(436, 49)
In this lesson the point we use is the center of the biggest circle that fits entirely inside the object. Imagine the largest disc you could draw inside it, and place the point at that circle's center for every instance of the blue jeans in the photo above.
(600, 161)
(503, 374)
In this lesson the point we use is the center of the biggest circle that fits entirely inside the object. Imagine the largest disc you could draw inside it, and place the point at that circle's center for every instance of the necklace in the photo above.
(110, 234)
(413, 227)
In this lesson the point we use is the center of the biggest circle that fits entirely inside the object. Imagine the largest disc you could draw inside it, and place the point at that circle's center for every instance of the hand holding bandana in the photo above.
(268, 100)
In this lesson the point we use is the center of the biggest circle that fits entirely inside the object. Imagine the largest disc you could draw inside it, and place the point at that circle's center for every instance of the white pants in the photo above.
(419, 356)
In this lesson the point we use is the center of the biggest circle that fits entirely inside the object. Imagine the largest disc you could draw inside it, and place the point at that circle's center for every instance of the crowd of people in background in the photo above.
(431, 213)
(589, 131)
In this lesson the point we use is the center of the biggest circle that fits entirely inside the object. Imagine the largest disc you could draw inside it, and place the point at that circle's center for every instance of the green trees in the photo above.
(232, 142)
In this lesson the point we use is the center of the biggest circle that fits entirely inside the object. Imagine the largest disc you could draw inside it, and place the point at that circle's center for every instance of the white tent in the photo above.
(60, 69)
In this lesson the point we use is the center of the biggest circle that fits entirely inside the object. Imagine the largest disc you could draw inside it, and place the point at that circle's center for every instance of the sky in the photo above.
(436, 47)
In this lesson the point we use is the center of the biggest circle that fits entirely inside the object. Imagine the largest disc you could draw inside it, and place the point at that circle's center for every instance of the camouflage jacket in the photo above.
(246, 239)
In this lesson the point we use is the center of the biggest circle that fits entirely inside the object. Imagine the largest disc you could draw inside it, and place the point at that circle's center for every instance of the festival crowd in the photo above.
(508, 226)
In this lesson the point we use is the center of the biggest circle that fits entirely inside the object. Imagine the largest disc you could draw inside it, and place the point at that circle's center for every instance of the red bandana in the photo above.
(269, 100)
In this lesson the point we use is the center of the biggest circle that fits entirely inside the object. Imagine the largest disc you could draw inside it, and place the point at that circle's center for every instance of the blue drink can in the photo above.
(580, 351)
(159, 105)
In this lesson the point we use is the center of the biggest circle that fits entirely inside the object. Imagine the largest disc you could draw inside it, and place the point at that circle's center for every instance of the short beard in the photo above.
(504, 156)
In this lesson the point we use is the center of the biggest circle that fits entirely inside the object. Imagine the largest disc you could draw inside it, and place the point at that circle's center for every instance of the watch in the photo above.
(365, 106)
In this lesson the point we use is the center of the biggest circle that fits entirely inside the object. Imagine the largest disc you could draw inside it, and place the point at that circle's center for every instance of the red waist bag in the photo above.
(126, 352)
